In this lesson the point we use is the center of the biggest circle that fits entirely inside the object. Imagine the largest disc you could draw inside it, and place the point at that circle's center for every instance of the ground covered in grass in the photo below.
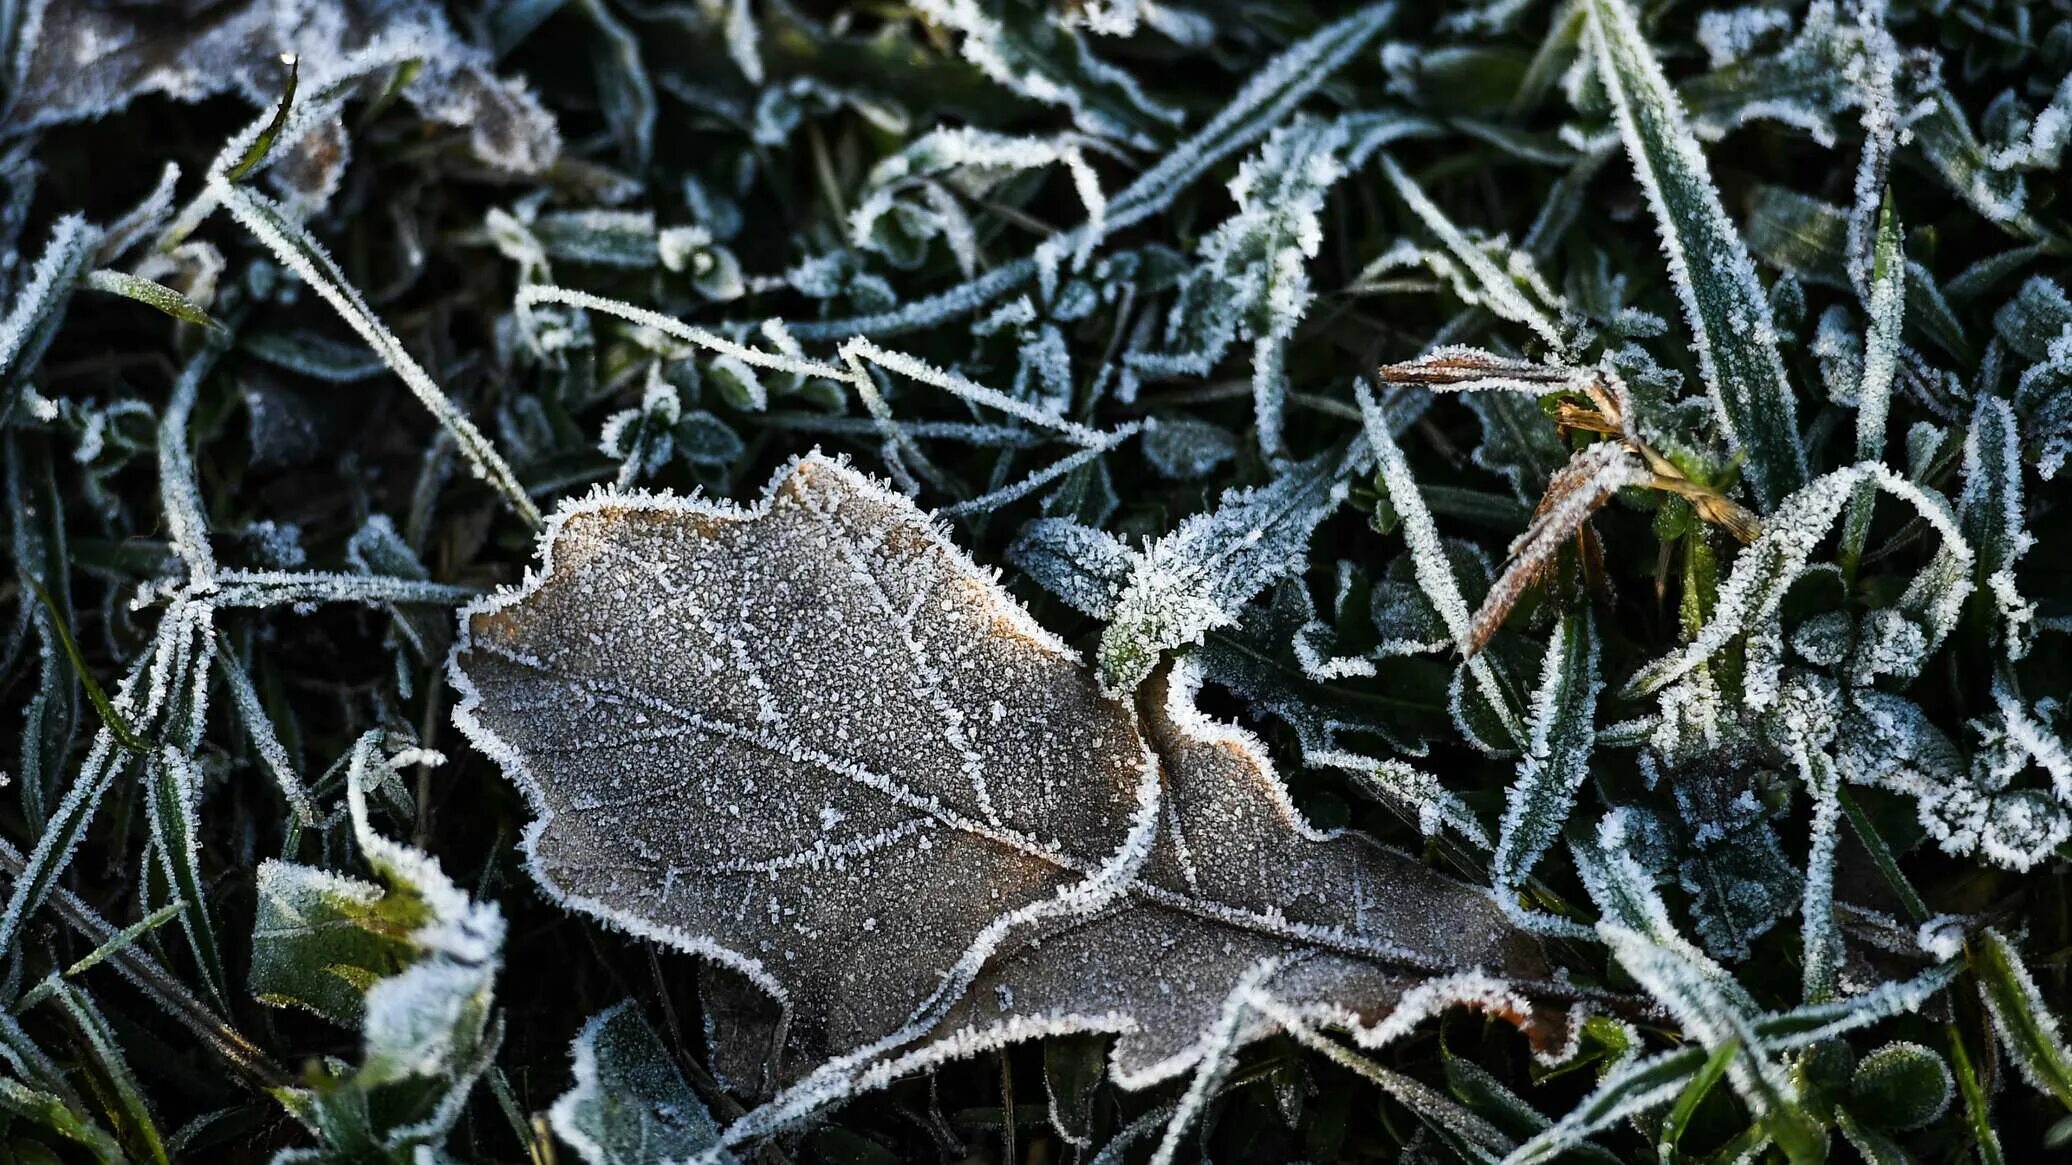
(1604, 451)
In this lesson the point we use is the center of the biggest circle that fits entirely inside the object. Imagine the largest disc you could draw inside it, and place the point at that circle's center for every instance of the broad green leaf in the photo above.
(428, 957)
(1901, 1087)
(321, 940)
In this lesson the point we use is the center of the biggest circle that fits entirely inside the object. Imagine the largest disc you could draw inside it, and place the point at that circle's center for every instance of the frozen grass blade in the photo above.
(1434, 569)
(1887, 307)
(151, 294)
(1724, 303)
(1266, 101)
(293, 246)
(1555, 764)
(39, 307)
(2021, 1017)
(1494, 288)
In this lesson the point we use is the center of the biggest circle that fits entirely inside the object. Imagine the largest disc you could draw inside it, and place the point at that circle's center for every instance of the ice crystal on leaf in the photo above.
(905, 811)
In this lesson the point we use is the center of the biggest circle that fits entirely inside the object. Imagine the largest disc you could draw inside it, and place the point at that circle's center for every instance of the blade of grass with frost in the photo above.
(1887, 308)
(1428, 559)
(2021, 1017)
(1267, 99)
(179, 490)
(1711, 1017)
(50, 721)
(293, 246)
(1991, 509)
(259, 729)
(1493, 288)
(1556, 761)
(172, 809)
(1726, 308)
(1820, 963)
(1466, 1132)
(1641, 1084)
(104, 1048)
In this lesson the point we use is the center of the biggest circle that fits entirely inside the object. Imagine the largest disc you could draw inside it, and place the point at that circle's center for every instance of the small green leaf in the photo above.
(1901, 1086)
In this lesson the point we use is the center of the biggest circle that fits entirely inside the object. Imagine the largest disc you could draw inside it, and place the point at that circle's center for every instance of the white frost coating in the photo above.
(265, 741)
(1877, 89)
(1884, 281)
(1493, 287)
(27, 326)
(1428, 799)
(1723, 301)
(1428, 556)
(178, 490)
(969, 162)
(1007, 56)
(1991, 509)
(301, 253)
(1988, 809)
(1250, 280)
(1729, 35)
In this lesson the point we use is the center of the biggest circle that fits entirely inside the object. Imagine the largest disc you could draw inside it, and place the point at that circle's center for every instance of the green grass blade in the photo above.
(1728, 312)
(2024, 1022)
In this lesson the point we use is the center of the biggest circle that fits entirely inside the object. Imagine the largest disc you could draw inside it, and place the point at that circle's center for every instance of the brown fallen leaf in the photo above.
(813, 742)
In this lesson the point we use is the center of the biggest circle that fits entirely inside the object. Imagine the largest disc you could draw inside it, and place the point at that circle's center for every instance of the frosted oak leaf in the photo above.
(811, 741)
